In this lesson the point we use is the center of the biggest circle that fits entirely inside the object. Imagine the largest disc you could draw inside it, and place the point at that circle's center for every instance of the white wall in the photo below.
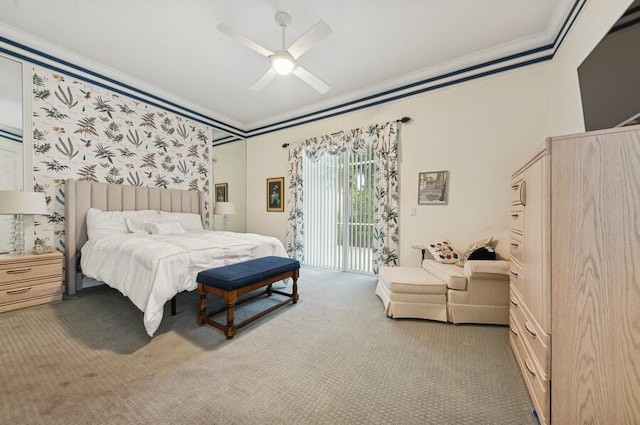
(473, 130)
(230, 167)
(480, 131)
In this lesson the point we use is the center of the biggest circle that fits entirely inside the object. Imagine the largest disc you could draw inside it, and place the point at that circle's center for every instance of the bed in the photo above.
(149, 268)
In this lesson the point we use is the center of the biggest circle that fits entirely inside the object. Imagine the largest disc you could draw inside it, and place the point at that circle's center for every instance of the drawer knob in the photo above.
(18, 291)
(515, 215)
(515, 245)
(515, 186)
(531, 332)
(19, 271)
(526, 364)
(514, 274)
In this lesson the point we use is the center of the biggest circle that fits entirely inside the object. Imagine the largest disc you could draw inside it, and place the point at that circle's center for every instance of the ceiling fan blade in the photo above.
(316, 33)
(311, 79)
(268, 76)
(226, 29)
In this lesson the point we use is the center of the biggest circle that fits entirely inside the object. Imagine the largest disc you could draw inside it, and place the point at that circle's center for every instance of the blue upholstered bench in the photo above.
(232, 281)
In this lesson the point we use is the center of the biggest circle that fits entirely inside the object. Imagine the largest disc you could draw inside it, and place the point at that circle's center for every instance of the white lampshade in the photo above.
(283, 62)
(225, 208)
(12, 202)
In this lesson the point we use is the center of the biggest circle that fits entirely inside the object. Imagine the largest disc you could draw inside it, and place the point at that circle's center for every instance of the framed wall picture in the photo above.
(275, 194)
(432, 187)
(221, 191)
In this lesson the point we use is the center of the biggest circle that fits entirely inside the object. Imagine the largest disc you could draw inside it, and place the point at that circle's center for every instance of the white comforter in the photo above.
(151, 269)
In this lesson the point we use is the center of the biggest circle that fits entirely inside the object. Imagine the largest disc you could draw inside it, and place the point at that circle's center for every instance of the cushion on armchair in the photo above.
(450, 274)
(443, 252)
(483, 249)
(487, 269)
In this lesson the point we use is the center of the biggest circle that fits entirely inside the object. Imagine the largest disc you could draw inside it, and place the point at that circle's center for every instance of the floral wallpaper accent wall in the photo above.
(85, 132)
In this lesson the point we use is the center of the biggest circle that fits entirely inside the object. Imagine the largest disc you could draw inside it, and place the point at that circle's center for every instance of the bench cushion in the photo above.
(239, 275)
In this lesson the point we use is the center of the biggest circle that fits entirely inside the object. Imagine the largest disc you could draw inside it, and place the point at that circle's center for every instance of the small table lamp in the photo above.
(224, 209)
(20, 204)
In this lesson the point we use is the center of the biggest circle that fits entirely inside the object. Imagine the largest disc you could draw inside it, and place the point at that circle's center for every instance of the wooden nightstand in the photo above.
(27, 280)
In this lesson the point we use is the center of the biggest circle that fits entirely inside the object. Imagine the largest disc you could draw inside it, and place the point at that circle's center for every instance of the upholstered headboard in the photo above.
(82, 195)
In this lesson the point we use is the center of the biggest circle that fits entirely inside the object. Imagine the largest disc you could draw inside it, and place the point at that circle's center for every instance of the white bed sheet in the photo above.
(151, 269)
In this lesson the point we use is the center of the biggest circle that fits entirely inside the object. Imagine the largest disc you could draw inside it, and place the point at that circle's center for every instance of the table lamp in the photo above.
(224, 209)
(20, 204)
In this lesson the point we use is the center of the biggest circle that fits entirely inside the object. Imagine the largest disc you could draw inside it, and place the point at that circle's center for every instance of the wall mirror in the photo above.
(11, 126)
(230, 166)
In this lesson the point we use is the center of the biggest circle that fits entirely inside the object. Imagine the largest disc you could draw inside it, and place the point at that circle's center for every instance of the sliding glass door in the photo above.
(338, 211)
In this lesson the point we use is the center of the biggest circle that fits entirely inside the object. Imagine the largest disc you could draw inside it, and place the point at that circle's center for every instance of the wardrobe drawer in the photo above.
(537, 383)
(516, 191)
(515, 299)
(517, 276)
(517, 220)
(537, 341)
(516, 248)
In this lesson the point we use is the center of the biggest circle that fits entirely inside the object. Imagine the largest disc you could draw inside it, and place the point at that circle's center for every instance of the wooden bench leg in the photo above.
(203, 305)
(230, 299)
(294, 292)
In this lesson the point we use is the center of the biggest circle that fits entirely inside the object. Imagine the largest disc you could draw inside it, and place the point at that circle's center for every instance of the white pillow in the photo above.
(135, 219)
(189, 221)
(164, 228)
(105, 223)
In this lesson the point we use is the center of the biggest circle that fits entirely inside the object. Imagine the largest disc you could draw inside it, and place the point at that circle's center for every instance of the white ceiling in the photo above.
(376, 45)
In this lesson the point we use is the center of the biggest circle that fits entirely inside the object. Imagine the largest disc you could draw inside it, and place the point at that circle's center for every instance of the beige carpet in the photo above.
(333, 358)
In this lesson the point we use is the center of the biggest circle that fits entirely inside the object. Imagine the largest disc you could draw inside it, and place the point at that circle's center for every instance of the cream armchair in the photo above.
(475, 293)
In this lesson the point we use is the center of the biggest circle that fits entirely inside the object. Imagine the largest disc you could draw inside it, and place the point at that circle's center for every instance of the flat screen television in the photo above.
(610, 76)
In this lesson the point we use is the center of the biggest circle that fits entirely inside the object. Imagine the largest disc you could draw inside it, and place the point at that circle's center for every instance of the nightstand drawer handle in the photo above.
(528, 328)
(526, 364)
(515, 215)
(19, 271)
(513, 331)
(515, 245)
(18, 291)
(515, 304)
(514, 274)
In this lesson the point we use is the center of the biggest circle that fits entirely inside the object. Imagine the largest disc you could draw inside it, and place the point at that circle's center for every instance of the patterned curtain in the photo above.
(385, 143)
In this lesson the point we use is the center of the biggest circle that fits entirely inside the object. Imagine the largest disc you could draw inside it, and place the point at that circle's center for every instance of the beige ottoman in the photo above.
(409, 292)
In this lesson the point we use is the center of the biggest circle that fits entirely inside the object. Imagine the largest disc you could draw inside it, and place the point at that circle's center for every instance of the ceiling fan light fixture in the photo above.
(283, 62)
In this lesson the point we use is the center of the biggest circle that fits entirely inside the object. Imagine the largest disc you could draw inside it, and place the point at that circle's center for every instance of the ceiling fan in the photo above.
(283, 61)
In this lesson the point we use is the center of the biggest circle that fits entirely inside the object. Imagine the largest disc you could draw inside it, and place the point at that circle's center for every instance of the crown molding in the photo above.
(506, 57)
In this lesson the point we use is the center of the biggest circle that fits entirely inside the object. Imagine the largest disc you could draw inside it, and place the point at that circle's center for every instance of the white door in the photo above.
(10, 179)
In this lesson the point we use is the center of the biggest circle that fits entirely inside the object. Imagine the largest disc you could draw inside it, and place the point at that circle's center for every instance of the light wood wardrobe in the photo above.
(575, 277)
